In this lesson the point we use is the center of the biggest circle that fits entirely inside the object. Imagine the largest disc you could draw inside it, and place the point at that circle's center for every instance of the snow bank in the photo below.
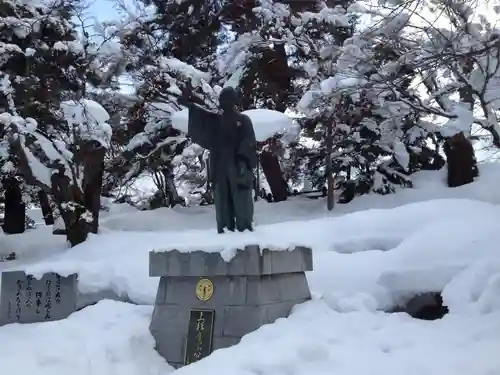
(118, 261)
(32, 245)
(428, 185)
(415, 248)
(316, 339)
(107, 338)
(462, 247)
(266, 122)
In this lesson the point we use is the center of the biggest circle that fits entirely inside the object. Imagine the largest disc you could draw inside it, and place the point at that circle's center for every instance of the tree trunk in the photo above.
(71, 204)
(93, 171)
(274, 176)
(329, 174)
(68, 196)
(15, 209)
(462, 167)
(173, 197)
(48, 217)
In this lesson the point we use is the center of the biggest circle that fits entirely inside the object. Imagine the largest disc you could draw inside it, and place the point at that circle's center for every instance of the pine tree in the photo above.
(45, 66)
(455, 67)
(170, 53)
(378, 136)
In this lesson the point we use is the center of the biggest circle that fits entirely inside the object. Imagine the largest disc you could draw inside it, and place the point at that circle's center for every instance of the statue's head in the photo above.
(229, 99)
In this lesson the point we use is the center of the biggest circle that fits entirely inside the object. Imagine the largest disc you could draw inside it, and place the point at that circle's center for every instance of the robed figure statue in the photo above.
(230, 138)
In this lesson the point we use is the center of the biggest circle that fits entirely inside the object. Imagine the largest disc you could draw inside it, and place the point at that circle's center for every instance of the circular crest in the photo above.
(204, 289)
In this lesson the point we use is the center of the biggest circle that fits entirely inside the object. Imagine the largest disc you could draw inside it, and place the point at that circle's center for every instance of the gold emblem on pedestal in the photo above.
(204, 289)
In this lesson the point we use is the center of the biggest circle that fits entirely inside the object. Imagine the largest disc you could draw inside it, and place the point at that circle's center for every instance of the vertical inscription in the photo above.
(19, 295)
(48, 299)
(38, 302)
(200, 335)
(29, 292)
(58, 289)
(200, 328)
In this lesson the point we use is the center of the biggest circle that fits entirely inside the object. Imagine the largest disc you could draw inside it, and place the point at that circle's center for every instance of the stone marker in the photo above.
(25, 299)
(199, 336)
(235, 298)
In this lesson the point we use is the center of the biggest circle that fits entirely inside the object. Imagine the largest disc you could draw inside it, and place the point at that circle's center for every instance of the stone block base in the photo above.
(242, 304)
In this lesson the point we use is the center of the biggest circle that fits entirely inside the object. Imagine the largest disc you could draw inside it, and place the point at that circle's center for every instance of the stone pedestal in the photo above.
(255, 288)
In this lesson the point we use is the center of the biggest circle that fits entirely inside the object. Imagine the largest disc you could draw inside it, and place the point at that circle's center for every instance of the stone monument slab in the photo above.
(25, 299)
(199, 336)
(255, 288)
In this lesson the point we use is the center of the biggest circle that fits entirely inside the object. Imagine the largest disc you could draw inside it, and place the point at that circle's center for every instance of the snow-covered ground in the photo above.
(368, 256)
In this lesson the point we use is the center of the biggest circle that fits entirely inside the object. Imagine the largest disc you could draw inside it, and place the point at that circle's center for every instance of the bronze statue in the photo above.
(230, 138)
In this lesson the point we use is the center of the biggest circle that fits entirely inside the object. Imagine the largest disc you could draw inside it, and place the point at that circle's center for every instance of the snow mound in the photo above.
(318, 340)
(457, 255)
(400, 243)
(107, 338)
(266, 122)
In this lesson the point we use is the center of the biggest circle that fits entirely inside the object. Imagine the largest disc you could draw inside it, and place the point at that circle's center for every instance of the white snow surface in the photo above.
(368, 256)
(266, 122)
(108, 338)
